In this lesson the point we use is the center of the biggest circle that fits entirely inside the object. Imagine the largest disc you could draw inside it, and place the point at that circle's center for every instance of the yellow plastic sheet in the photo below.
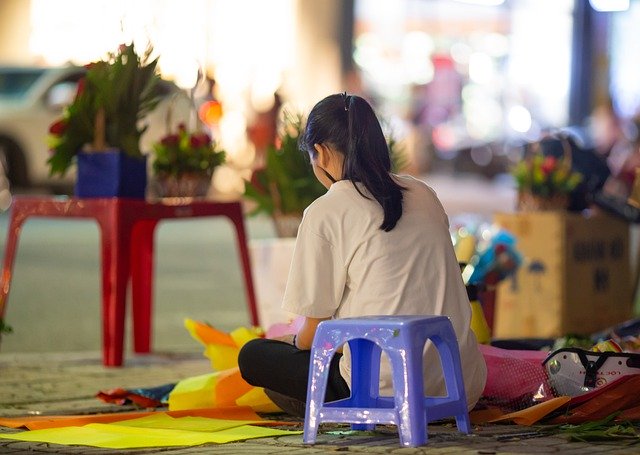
(224, 387)
(221, 348)
(122, 436)
(160, 421)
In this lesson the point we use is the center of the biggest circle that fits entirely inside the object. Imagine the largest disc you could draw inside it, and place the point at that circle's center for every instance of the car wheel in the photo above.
(14, 165)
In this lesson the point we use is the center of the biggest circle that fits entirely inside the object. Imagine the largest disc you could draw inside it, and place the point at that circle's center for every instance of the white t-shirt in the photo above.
(344, 265)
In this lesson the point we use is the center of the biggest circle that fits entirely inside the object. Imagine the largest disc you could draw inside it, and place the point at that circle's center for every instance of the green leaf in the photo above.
(4, 327)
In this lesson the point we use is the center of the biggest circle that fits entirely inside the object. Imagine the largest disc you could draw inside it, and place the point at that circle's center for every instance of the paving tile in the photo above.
(67, 384)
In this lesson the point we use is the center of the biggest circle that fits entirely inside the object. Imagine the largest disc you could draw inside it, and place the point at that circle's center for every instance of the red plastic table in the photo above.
(127, 243)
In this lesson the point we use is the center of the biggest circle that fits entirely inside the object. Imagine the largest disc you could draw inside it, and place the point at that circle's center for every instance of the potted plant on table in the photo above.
(101, 128)
(184, 163)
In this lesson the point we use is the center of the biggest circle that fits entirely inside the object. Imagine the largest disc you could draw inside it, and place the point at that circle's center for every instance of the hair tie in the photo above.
(345, 98)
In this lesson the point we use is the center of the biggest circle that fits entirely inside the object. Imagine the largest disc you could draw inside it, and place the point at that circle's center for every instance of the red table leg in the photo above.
(236, 216)
(142, 270)
(116, 235)
(13, 235)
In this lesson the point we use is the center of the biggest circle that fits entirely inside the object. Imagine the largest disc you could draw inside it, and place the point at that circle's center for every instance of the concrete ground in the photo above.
(66, 383)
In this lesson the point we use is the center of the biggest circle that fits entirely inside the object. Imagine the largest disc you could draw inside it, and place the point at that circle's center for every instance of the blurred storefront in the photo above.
(464, 83)
(468, 81)
(250, 48)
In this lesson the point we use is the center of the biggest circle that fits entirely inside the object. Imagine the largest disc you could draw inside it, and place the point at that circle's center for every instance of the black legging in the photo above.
(283, 368)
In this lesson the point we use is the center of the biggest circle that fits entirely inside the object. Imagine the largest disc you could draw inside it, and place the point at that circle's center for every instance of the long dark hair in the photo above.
(349, 124)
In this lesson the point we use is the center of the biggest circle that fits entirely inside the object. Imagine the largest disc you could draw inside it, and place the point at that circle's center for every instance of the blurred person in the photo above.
(623, 161)
(263, 130)
(605, 128)
(375, 244)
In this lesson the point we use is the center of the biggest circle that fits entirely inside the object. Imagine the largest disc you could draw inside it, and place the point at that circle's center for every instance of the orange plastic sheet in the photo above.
(528, 416)
(56, 421)
(225, 386)
(620, 396)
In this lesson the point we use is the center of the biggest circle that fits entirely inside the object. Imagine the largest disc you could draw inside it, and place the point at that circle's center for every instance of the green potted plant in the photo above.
(286, 185)
(101, 128)
(183, 163)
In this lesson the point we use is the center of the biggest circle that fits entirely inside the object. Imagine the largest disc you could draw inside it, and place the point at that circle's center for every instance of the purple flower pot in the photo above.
(111, 174)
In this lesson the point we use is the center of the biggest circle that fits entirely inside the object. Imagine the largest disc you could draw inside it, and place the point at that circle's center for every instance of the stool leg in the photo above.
(453, 379)
(408, 385)
(142, 283)
(316, 390)
(365, 377)
(238, 220)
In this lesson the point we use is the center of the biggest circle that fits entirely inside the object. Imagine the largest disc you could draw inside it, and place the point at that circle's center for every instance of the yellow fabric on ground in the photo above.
(122, 436)
(257, 400)
(224, 387)
(160, 421)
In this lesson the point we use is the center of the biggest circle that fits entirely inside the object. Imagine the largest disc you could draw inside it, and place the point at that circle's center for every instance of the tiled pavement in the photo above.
(67, 383)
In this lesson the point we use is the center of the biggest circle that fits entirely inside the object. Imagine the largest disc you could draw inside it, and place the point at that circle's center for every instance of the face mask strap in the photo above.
(329, 176)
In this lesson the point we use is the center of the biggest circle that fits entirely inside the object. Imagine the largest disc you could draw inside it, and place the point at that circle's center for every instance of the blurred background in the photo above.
(461, 83)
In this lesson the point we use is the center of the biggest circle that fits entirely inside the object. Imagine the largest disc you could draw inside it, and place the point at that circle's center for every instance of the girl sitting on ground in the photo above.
(375, 244)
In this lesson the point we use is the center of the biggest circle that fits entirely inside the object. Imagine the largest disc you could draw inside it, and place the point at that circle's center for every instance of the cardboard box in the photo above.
(574, 278)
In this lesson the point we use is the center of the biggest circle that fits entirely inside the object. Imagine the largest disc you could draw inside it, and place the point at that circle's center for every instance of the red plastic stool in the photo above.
(127, 229)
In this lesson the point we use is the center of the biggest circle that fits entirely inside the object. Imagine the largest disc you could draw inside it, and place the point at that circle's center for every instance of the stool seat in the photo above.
(403, 339)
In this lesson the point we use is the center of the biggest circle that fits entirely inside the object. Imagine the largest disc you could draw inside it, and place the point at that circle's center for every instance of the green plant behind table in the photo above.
(287, 184)
(113, 97)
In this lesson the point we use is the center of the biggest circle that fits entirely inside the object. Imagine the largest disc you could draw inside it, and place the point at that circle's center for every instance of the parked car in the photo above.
(31, 98)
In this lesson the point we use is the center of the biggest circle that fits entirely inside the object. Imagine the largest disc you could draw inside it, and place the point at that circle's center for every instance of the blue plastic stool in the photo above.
(402, 338)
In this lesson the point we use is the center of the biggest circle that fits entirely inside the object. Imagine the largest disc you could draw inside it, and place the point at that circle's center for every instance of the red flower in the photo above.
(58, 128)
(548, 165)
(80, 89)
(182, 127)
(200, 140)
(170, 139)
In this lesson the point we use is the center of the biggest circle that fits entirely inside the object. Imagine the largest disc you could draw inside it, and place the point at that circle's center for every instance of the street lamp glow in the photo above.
(519, 119)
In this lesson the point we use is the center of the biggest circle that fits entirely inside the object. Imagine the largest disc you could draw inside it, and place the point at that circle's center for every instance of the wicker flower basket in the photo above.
(187, 185)
(528, 202)
(539, 174)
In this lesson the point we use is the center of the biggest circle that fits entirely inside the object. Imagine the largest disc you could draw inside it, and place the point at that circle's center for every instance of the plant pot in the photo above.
(287, 224)
(187, 185)
(528, 202)
(111, 173)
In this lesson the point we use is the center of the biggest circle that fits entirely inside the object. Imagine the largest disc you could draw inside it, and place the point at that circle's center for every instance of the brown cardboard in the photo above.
(574, 278)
